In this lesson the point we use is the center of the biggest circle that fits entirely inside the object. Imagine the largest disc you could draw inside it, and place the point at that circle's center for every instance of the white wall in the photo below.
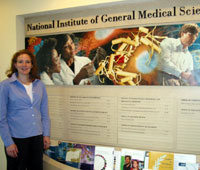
(12, 14)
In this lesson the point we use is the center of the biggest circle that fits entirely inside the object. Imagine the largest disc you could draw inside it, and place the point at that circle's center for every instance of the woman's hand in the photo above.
(85, 72)
(12, 151)
(46, 141)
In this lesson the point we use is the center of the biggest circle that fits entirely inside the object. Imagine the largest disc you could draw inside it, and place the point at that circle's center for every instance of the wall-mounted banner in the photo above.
(130, 18)
(156, 55)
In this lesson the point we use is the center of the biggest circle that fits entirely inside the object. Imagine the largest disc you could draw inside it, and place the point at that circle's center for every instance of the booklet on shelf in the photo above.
(104, 158)
(161, 160)
(132, 159)
(117, 160)
(185, 162)
(87, 156)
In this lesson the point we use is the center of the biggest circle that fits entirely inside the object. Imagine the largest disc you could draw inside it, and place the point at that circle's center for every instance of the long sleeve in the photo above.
(45, 113)
(174, 59)
(4, 129)
(166, 58)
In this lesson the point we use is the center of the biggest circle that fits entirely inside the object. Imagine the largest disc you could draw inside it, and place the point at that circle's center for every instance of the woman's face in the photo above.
(55, 62)
(135, 164)
(23, 64)
(68, 49)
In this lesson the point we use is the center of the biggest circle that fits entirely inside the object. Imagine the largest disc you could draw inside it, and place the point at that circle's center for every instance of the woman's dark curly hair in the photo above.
(44, 55)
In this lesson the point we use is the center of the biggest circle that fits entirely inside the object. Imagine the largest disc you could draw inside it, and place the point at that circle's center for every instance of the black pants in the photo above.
(30, 154)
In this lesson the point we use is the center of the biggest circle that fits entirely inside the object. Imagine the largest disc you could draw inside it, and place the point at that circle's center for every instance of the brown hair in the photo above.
(33, 73)
(191, 28)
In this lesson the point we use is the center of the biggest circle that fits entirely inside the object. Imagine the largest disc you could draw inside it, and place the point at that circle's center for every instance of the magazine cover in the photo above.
(117, 160)
(185, 161)
(73, 157)
(132, 159)
(87, 156)
(58, 152)
(68, 155)
(161, 160)
(104, 158)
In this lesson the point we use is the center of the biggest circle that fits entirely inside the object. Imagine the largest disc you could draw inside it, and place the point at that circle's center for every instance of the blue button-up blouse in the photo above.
(19, 117)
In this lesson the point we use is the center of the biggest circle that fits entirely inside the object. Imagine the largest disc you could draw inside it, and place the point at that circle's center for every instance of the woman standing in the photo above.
(24, 119)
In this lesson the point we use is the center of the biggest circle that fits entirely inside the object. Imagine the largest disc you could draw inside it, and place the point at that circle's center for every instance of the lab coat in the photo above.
(66, 76)
(46, 79)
